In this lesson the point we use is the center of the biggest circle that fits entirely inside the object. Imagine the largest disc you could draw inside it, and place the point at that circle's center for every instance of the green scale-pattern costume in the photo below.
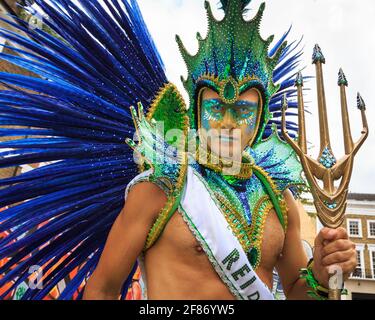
(232, 59)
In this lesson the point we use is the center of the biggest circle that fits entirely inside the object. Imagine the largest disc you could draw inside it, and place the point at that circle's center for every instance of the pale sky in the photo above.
(344, 29)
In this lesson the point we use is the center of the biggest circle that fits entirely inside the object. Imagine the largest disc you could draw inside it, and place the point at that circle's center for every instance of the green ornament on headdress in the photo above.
(231, 59)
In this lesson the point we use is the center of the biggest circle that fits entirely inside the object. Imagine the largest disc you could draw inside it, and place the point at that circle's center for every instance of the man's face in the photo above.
(228, 129)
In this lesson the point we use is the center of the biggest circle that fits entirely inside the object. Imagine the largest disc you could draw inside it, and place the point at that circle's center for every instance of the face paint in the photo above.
(214, 121)
(213, 110)
(246, 113)
(243, 112)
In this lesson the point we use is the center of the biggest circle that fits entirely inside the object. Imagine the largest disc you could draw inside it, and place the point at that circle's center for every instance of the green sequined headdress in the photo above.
(231, 59)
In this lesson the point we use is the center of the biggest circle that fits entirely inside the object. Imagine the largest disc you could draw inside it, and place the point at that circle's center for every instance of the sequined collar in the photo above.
(213, 162)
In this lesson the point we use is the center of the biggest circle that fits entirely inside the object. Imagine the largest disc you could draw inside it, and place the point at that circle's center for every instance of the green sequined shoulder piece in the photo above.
(280, 162)
(162, 152)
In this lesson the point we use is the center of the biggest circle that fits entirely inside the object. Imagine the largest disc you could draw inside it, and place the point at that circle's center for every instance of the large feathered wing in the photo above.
(76, 117)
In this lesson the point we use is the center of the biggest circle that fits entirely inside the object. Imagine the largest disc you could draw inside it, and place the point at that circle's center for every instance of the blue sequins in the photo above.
(327, 159)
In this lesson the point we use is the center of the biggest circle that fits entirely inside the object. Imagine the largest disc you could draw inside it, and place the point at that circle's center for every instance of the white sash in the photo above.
(223, 249)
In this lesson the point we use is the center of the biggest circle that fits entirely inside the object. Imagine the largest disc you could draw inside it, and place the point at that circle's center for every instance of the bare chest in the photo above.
(180, 241)
(272, 242)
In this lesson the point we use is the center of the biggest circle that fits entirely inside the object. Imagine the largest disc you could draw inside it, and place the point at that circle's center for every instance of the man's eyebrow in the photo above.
(212, 99)
(247, 103)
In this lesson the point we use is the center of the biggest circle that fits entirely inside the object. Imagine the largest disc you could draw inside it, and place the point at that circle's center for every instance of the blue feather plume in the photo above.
(76, 116)
(284, 75)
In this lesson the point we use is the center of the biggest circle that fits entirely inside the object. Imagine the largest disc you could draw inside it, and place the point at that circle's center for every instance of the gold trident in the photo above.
(330, 202)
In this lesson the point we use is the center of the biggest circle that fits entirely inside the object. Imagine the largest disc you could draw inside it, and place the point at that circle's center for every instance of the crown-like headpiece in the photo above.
(232, 58)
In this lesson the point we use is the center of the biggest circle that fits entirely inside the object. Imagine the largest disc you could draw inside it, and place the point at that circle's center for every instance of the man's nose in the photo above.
(228, 121)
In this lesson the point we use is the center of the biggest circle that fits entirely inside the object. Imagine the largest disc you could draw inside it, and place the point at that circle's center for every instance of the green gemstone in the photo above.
(253, 256)
(229, 91)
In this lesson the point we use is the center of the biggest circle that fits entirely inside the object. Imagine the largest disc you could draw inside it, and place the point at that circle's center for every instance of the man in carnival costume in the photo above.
(214, 206)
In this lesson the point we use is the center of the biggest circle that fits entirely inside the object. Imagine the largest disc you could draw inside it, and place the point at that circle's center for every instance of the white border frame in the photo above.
(359, 227)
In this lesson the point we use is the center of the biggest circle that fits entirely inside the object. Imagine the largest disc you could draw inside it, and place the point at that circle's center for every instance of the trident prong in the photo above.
(319, 60)
(329, 201)
(365, 131)
(348, 140)
(301, 115)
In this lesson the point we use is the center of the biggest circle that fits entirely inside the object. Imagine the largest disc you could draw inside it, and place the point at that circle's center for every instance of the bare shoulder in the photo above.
(146, 189)
(144, 201)
(126, 240)
(295, 208)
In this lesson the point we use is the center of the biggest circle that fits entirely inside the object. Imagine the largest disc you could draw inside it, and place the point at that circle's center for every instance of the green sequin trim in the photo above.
(275, 198)
(261, 212)
(312, 283)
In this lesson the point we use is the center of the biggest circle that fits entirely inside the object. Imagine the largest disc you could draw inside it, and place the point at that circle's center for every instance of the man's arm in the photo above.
(332, 247)
(125, 241)
(293, 257)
